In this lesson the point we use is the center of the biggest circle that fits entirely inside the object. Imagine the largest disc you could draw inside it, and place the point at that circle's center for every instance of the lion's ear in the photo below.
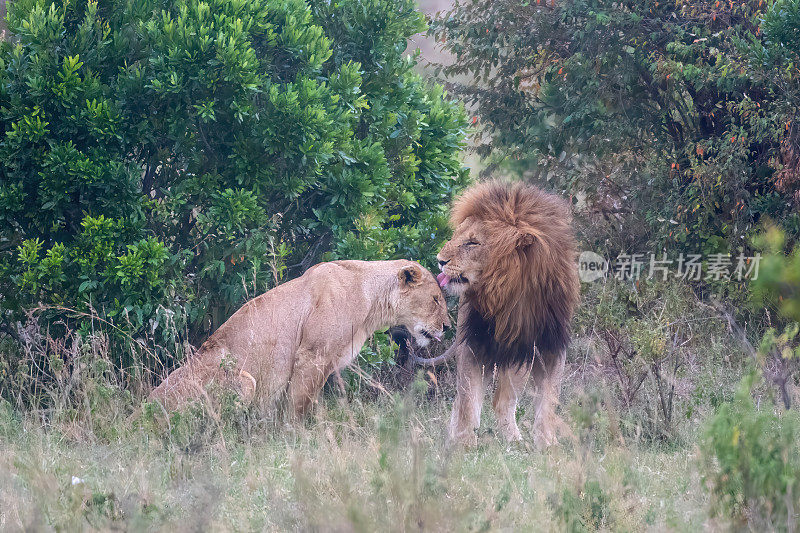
(410, 275)
(525, 239)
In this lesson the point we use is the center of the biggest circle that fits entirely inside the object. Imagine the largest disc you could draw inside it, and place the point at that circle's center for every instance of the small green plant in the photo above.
(583, 510)
(751, 461)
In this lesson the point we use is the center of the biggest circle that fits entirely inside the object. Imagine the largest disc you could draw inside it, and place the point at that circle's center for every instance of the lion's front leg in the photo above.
(511, 382)
(548, 370)
(466, 416)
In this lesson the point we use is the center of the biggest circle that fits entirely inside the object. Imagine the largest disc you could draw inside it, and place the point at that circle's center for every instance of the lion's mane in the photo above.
(529, 288)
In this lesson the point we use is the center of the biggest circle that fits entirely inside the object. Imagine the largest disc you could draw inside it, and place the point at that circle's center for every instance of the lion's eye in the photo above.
(471, 243)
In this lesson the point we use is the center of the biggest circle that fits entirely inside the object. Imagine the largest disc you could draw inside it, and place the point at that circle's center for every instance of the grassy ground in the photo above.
(361, 465)
(647, 370)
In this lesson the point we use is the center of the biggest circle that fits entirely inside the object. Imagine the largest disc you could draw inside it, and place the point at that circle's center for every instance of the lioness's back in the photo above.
(280, 310)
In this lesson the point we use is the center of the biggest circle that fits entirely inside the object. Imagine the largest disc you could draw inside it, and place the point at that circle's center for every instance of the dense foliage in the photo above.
(162, 160)
(675, 122)
(752, 462)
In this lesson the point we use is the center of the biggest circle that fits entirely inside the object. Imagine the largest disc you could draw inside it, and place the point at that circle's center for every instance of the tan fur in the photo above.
(512, 261)
(290, 339)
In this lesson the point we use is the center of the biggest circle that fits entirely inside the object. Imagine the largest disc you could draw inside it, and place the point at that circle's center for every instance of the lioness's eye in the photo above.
(471, 243)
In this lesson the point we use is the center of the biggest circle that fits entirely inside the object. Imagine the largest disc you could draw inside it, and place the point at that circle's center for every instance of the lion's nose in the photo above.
(442, 263)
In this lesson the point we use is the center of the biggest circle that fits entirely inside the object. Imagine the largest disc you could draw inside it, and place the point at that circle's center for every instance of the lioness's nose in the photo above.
(442, 263)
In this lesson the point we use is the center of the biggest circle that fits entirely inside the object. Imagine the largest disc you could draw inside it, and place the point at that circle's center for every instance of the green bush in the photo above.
(777, 290)
(672, 123)
(584, 510)
(782, 25)
(161, 161)
(751, 462)
(647, 338)
(778, 285)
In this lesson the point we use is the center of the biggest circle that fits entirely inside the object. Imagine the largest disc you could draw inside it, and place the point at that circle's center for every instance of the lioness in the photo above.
(291, 338)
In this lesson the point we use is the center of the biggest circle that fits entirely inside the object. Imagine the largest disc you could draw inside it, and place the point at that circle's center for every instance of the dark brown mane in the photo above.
(528, 291)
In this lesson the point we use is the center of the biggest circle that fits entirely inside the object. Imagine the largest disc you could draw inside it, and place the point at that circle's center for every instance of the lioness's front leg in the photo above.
(314, 364)
(466, 416)
(308, 377)
(511, 382)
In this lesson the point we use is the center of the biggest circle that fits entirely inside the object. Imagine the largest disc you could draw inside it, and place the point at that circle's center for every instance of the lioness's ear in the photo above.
(410, 275)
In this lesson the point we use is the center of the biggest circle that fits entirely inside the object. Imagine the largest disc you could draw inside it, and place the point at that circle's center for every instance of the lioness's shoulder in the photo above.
(356, 267)
(327, 269)
(347, 271)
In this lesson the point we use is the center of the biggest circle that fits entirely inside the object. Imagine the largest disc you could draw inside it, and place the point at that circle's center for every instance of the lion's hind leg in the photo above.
(200, 378)
(184, 385)
(470, 387)
(547, 373)
(511, 381)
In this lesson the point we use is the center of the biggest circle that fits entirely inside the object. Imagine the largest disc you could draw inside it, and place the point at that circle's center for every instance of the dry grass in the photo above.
(359, 465)
(371, 458)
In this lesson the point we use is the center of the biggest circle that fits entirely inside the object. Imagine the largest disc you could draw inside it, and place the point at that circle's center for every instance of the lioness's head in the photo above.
(421, 307)
(463, 257)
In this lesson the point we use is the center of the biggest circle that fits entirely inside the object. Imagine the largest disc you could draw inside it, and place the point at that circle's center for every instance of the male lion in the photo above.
(290, 339)
(512, 261)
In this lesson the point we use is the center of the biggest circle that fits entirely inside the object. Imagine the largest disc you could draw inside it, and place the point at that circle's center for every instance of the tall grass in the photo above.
(376, 465)
(77, 452)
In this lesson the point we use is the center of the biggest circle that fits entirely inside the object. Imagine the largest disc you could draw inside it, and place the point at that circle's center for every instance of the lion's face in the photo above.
(512, 259)
(421, 305)
(463, 257)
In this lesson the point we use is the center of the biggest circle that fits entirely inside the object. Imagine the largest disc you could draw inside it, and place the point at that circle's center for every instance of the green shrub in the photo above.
(751, 461)
(778, 290)
(584, 510)
(782, 25)
(648, 338)
(162, 161)
(778, 286)
(672, 123)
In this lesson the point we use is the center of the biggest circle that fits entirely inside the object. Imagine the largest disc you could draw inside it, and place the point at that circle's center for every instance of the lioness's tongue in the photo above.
(443, 279)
